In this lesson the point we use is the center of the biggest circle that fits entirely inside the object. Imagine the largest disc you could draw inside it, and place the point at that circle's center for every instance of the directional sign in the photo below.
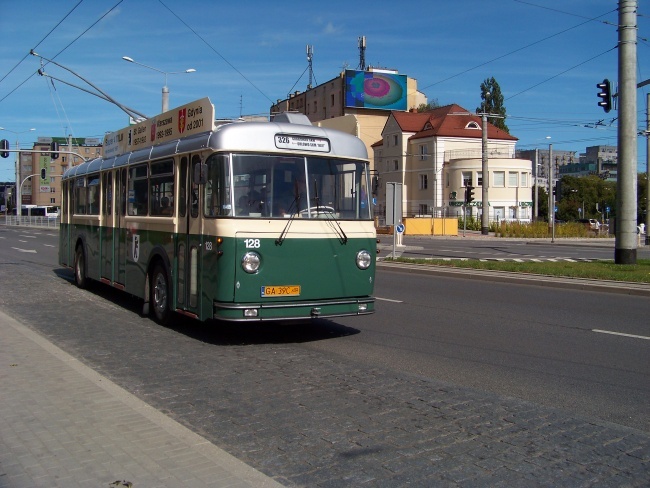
(400, 228)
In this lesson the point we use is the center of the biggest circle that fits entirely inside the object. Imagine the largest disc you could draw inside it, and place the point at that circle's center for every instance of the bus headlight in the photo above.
(251, 262)
(364, 259)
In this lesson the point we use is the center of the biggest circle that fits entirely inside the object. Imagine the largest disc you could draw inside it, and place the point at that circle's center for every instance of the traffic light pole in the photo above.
(485, 202)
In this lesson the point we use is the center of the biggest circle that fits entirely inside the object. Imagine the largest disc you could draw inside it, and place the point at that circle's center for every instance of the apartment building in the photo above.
(47, 191)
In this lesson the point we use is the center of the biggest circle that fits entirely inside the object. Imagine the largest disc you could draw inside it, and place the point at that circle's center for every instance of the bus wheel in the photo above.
(160, 295)
(80, 278)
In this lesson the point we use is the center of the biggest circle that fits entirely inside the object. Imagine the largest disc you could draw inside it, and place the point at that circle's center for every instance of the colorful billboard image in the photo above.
(376, 90)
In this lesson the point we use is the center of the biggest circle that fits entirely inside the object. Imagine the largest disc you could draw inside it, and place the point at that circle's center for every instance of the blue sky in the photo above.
(546, 55)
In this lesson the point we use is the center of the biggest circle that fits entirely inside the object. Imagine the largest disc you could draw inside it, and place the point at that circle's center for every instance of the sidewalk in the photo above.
(64, 425)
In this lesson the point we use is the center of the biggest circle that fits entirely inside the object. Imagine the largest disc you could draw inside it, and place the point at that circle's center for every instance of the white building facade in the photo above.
(437, 154)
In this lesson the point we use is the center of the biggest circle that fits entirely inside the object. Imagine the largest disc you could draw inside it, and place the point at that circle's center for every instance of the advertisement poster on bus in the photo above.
(192, 118)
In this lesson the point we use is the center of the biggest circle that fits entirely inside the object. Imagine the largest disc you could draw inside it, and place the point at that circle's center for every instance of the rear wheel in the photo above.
(80, 268)
(160, 295)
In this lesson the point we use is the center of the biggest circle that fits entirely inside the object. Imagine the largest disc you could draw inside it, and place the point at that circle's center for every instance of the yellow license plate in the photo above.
(281, 291)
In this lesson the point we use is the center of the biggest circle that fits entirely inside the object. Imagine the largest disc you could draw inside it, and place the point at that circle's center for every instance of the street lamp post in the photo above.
(19, 203)
(165, 90)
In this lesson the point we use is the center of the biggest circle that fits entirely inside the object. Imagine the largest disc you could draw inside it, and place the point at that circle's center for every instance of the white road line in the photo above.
(620, 334)
(24, 250)
(389, 300)
(48, 245)
(28, 237)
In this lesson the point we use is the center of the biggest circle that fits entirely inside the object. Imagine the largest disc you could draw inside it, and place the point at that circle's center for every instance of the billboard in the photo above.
(375, 90)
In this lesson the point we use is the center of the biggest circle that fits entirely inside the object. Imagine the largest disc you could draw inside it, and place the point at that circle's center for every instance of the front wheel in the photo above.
(160, 295)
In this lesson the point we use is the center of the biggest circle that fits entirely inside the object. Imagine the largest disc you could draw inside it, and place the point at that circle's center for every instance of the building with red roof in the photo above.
(435, 155)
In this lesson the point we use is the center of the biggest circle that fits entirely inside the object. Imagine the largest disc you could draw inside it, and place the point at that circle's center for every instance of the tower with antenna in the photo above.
(362, 53)
(310, 57)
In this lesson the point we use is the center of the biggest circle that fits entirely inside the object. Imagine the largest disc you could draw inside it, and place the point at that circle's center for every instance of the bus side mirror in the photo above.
(200, 174)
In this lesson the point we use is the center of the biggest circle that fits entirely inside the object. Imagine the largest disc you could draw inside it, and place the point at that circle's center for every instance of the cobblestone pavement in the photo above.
(306, 419)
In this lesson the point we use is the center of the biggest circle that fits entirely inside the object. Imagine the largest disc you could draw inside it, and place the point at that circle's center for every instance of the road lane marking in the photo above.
(620, 334)
(24, 250)
(389, 300)
(48, 245)
(28, 237)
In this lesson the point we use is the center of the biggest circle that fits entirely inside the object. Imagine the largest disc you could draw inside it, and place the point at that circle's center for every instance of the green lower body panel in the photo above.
(251, 312)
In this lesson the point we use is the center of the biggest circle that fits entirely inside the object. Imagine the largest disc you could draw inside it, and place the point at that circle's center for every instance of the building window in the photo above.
(395, 140)
(512, 178)
(500, 178)
(332, 98)
(467, 178)
(524, 180)
(423, 208)
(423, 152)
(396, 165)
(479, 178)
(424, 182)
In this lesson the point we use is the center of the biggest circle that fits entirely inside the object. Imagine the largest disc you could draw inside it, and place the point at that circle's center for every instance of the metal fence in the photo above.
(24, 221)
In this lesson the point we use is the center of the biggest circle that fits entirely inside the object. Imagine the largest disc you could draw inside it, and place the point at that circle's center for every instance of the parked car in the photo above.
(593, 224)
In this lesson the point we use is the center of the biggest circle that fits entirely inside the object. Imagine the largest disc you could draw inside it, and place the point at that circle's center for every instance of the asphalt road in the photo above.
(452, 382)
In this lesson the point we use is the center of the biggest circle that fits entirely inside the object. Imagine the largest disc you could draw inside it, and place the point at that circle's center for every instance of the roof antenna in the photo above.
(310, 57)
(362, 53)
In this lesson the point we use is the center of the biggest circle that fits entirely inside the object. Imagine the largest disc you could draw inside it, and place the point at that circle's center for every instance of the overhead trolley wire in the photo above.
(40, 42)
(67, 46)
(215, 51)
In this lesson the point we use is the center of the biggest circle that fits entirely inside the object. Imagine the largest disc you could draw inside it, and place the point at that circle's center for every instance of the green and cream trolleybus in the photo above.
(236, 221)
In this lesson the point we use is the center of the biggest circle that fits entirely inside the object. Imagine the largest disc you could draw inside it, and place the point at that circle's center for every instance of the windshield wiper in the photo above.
(331, 220)
(295, 205)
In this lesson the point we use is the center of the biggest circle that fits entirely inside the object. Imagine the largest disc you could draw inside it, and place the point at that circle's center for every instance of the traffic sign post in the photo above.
(394, 209)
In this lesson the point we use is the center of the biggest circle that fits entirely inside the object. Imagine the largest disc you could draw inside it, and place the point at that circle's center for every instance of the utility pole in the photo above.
(626, 236)
(485, 184)
(551, 197)
(647, 171)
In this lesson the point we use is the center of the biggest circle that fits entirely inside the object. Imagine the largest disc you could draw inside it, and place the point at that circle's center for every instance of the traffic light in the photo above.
(605, 94)
(54, 148)
(43, 173)
(469, 194)
(4, 145)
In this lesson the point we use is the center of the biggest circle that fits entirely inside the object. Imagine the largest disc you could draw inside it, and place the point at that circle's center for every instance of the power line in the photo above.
(517, 50)
(215, 51)
(39, 42)
(62, 50)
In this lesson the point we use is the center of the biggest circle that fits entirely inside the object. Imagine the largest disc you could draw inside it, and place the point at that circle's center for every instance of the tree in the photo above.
(425, 107)
(492, 103)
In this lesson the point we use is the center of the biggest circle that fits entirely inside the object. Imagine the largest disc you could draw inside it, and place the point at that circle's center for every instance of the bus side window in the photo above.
(194, 195)
(182, 200)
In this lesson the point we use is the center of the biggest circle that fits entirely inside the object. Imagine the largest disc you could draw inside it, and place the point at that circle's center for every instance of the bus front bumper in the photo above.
(251, 312)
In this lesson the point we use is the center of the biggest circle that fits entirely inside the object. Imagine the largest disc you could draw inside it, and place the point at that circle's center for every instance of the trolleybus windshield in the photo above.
(279, 186)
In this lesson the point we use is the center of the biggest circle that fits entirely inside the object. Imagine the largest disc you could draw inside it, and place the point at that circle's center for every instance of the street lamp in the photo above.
(165, 90)
(19, 203)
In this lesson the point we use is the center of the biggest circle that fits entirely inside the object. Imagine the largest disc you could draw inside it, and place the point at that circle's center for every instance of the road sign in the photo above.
(400, 228)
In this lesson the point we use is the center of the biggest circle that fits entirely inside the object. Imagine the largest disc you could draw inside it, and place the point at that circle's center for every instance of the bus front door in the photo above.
(188, 251)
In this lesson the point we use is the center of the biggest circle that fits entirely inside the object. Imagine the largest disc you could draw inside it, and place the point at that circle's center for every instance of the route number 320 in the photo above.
(252, 243)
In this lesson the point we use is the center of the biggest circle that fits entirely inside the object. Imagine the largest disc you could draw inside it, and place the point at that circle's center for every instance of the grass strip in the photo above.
(595, 270)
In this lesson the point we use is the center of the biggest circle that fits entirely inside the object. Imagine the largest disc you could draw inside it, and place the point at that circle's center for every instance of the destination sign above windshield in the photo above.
(302, 143)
